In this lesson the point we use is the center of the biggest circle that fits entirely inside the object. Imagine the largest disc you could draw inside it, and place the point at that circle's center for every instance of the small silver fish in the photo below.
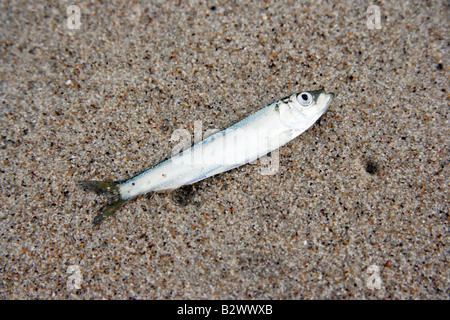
(253, 137)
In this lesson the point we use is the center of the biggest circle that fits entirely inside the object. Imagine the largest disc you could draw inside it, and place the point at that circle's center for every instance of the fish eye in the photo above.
(305, 99)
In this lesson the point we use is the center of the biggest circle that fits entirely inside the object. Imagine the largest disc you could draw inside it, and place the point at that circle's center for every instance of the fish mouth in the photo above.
(331, 96)
(326, 98)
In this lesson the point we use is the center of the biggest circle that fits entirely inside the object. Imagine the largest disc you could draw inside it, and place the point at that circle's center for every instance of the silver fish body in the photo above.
(253, 137)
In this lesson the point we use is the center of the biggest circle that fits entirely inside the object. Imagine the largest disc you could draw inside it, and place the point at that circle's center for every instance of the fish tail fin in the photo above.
(108, 210)
(111, 190)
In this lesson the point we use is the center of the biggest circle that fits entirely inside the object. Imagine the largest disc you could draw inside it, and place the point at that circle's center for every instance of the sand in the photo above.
(359, 208)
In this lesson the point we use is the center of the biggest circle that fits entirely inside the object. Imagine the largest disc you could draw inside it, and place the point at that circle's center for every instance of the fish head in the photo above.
(313, 102)
(322, 100)
(302, 110)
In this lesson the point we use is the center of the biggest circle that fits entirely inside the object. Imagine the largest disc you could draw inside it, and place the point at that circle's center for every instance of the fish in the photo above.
(253, 137)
